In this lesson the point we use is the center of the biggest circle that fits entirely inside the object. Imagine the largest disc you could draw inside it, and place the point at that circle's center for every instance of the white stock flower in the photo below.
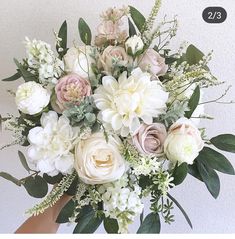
(31, 98)
(183, 142)
(134, 44)
(98, 161)
(50, 144)
(79, 61)
(124, 102)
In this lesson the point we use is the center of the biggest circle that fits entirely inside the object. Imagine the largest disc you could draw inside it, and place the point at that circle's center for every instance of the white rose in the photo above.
(134, 44)
(31, 98)
(78, 60)
(183, 142)
(98, 161)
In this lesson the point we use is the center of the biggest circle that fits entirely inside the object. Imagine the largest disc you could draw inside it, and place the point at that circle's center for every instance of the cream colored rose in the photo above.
(183, 142)
(98, 161)
(134, 45)
(78, 60)
(113, 55)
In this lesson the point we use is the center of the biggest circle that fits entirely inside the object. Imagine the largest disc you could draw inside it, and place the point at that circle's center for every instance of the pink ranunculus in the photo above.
(71, 89)
(149, 139)
(152, 62)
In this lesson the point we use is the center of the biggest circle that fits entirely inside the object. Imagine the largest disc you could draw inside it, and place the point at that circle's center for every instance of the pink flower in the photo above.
(149, 139)
(152, 62)
(71, 89)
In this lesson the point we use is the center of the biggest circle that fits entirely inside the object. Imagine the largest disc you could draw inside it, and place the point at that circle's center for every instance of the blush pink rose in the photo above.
(152, 62)
(149, 139)
(71, 89)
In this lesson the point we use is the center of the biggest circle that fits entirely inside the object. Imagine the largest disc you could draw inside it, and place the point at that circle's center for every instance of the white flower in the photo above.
(41, 58)
(121, 202)
(50, 144)
(98, 161)
(31, 98)
(183, 142)
(134, 44)
(79, 61)
(124, 102)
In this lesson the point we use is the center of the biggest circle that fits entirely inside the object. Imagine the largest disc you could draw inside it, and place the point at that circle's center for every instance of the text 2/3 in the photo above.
(214, 15)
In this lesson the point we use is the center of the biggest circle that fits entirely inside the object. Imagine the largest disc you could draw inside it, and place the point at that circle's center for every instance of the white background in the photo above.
(37, 19)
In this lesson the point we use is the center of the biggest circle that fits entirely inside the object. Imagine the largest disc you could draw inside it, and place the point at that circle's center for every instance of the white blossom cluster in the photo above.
(41, 59)
(121, 202)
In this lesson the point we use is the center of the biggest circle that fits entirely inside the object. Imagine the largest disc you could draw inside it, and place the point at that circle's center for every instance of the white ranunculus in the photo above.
(134, 44)
(124, 102)
(98, 161)
(50, 144)
(31, 98)
(183, 142)
(79, 61)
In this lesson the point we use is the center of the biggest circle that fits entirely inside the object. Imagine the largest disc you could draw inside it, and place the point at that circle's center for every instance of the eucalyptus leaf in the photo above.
(14, 77)
(36, 186)
(63, 43)
(225, 142)
(193, 55)
(193, 170)
(210, 178)
(84, 32)
(9, 177)
(181, 209)
(88, 223)
(66, 212)
(151, 224)
(132, 30)
(137, 17)
(179, 174)
(24, 161)
(215, 160)
(193, 102)
(111, 225)
(53, 180)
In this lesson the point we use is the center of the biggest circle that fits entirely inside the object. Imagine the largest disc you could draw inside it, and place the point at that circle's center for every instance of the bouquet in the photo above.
(115, 120)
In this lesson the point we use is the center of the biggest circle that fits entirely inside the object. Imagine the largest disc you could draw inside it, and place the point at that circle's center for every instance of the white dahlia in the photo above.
(50, 144)
(124, 102)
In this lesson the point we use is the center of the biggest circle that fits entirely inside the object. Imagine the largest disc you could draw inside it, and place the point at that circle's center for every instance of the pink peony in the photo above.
(149, 139)
(152, 62)
(71, 89)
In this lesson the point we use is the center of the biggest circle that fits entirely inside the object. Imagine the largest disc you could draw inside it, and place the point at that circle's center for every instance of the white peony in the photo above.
(31, 98)
(98, 161)
(134, 44)
(79, 61)
(183, 142)
(50, 144)
(124, 102)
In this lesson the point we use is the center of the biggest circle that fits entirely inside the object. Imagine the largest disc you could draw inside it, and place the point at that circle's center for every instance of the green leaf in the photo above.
(111, 225)
(180, 172)
(24, 161)
(53, 180)
(28, 76)
(87, 223)
(193, 102)
(8, 177)
(224, 142)
(132, 30)
(151, 224)
(137, 17)
(193, 55)
(215, 160)
(66, 212)
(181, 209)
(36, 186)
(63, 35)
(210, 178)
(84, 32)
(13, 78)
(73, 187)
(193, 170)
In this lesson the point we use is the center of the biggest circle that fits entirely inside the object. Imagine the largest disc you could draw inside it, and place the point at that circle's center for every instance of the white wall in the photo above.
(38, 18)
